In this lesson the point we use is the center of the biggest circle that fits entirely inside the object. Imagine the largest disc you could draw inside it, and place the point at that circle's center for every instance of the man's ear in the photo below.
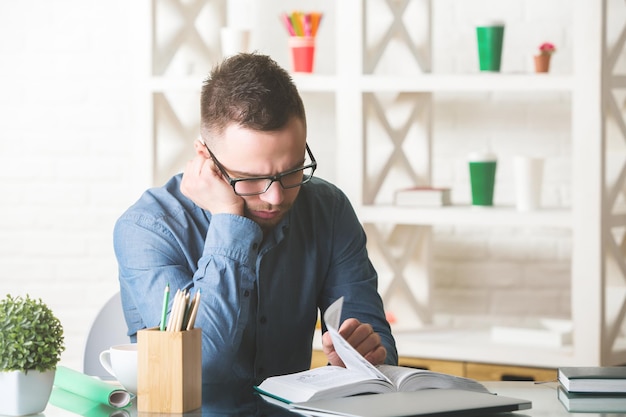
(201, 148)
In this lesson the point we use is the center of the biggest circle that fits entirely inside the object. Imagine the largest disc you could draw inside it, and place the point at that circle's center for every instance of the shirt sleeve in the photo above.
(151, 256)
(352, 275)
(226, 274)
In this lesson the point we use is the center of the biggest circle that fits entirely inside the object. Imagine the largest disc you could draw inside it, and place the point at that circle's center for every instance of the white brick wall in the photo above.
(65, 162)
(69, 167)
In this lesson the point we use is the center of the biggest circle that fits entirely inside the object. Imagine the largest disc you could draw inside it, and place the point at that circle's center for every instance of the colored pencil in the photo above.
(166, 300)
(300, 23)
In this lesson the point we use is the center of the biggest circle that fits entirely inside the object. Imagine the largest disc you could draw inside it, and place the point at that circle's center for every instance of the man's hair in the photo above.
(250, 90)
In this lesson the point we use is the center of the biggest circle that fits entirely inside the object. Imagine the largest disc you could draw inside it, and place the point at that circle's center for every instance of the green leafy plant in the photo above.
(31, 337)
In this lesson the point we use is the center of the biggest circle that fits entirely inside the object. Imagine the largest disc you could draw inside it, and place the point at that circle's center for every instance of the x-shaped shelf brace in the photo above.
(404, 246)
(186, 34)
(397, 136)
(398, 30)
(168, 163)
(410, 243)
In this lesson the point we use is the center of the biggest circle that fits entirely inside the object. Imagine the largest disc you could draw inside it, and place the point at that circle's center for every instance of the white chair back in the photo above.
(108, 329)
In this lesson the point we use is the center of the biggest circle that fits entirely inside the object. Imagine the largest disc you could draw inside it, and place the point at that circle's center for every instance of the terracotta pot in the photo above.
(542, 63)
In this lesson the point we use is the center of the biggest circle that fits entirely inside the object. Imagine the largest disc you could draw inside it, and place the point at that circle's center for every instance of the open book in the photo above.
(358, 377)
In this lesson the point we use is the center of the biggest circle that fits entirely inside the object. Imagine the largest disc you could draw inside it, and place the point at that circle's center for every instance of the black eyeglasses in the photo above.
(258, 185)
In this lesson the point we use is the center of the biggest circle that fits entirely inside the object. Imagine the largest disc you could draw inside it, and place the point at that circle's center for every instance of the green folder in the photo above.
(91, 388)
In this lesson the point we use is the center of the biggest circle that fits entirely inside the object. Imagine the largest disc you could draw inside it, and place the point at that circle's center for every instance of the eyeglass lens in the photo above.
(258, 186)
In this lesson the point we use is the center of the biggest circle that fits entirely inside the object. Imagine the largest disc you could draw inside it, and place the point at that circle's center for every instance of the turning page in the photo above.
(350, 357)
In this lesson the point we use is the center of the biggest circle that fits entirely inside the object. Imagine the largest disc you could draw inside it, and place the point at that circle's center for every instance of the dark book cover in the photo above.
(593, 378)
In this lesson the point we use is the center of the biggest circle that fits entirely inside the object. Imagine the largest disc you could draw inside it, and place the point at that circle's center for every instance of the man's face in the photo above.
(248, 153)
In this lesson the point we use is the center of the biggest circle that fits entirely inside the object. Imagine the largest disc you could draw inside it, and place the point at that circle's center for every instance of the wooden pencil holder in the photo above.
(169, 370)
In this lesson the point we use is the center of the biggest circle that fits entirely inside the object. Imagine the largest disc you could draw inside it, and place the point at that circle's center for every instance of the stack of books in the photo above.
(593, 389)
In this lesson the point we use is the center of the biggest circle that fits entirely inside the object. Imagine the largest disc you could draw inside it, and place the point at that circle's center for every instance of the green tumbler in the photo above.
(489, 37)
(482, 170)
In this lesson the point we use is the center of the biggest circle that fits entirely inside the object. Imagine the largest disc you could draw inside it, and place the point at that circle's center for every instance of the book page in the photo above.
(322, 382)
(412, 379)
(398, 374)
(349, 355)
(324, 378)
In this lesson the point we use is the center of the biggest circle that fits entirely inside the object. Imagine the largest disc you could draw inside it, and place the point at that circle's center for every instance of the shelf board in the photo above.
(465, 215)
(489, 82)
(304, 82)
(315, 83)
(486, 81)
(458, 83)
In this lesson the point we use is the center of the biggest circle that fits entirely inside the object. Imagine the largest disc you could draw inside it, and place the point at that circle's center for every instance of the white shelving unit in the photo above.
(598, 262)
(598, 267)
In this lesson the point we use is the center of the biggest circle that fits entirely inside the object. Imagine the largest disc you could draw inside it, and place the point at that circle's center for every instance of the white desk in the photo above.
(544, 399)
(543, 396)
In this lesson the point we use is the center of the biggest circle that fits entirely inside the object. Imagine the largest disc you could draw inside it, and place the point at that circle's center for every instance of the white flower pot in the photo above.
(25, 393)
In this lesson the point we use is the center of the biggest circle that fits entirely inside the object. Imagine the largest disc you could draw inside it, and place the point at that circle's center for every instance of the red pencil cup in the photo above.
(302, 53)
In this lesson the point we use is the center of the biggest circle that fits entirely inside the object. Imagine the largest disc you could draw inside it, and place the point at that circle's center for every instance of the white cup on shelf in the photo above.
(234, 41)
(528, 181)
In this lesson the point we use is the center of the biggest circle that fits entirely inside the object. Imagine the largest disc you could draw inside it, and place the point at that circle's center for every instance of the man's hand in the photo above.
(362, 337)
(204, 184)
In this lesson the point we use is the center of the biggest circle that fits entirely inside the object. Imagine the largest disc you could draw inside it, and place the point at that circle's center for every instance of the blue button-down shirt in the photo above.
(259, 296)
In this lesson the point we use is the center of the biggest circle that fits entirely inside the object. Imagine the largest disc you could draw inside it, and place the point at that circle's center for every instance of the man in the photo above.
(248, 226)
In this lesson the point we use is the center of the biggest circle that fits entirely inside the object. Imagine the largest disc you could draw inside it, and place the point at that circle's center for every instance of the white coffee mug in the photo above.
(121, 362)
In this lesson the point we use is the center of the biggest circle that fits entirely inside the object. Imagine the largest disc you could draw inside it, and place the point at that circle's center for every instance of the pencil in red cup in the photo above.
(296, 21)
(299, 23)
(302, 28)
(287, 22)
(307, 25)
(316, 19)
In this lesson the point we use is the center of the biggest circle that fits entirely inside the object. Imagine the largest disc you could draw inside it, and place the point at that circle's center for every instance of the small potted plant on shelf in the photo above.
(31, 342)
(542, 60)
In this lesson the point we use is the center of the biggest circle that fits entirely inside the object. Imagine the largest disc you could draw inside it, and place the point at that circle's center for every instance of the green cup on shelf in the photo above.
(482, 170)
(490, 36)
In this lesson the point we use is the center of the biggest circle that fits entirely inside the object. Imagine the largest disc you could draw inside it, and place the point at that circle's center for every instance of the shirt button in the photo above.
(255, 246)
(263, 320)
(246, 293)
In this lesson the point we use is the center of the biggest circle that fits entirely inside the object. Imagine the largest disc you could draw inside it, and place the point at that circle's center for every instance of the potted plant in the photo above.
(31, 342)
(542, 60)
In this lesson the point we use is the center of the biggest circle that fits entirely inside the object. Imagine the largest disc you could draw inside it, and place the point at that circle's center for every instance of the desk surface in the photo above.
(545, 403)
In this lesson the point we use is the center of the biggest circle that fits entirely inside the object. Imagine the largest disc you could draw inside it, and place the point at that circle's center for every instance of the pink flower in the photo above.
(547, 48)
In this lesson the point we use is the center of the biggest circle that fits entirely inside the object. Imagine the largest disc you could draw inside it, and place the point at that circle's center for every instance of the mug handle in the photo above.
(105, 361)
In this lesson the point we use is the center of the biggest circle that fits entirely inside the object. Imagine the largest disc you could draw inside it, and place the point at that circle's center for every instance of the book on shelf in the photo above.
(593, 379)
(423, 196)
(358, 377)
(592, 402)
